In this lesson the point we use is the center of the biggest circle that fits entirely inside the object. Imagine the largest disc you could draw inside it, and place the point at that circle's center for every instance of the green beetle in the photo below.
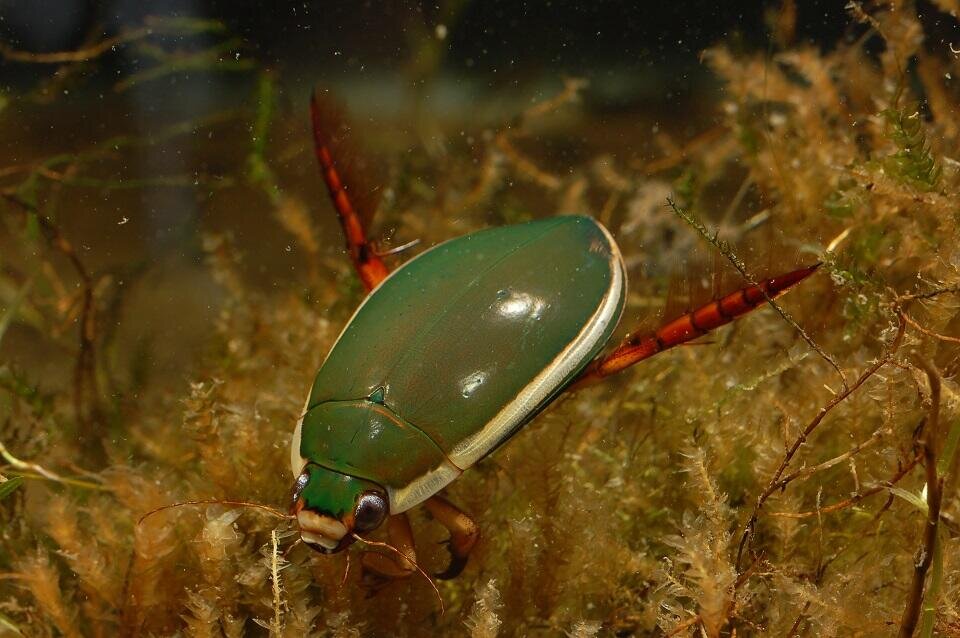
(451, 355)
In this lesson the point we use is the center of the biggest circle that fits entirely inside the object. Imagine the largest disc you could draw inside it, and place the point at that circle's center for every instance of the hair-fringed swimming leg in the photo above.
(691, 325)
(464, 533)
(367, 262)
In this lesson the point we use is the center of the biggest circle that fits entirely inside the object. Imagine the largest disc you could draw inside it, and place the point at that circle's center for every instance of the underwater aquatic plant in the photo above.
(717, 489)
(914, 162)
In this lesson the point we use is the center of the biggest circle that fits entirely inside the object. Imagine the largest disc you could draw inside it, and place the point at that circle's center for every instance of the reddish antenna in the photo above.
(213, 501)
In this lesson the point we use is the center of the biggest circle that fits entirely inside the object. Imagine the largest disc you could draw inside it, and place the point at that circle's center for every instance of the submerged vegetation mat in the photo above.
(795, 475)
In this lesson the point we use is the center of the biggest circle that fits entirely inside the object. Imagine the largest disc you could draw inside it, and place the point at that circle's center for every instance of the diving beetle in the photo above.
(449, 356)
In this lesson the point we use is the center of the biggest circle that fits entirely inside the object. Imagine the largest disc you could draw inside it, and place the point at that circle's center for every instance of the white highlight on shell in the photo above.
(511, 304)
(473, 448)
(471, 383)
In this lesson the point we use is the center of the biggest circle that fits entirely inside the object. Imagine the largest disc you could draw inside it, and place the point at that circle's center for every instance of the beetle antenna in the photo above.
(405, 557)
(214, 501)
(346, 572)
(292, 545)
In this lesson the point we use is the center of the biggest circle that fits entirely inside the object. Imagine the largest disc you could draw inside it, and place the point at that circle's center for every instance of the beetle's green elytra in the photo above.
(449, 356)
(457, 349)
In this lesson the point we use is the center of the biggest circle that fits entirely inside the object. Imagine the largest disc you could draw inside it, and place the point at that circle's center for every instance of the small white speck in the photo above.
(123, 220)
(470, 383)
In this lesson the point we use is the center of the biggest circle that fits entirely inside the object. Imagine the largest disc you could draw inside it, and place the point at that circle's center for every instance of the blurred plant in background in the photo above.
(772, 482)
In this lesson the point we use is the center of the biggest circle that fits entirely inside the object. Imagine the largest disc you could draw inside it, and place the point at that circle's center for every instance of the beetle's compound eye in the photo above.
(370, 512)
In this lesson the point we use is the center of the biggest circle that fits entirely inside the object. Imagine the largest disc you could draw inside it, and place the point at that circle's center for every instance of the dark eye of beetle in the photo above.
(370, 512)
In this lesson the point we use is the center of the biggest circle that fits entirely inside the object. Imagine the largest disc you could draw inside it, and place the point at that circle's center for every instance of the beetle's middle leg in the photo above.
(389, 566)
(368, 264)
(464, 533)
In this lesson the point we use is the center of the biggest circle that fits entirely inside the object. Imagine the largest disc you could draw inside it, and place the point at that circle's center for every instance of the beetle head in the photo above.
(331, 506)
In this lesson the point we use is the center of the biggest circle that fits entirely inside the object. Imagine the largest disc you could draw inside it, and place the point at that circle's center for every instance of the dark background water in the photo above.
(499, 42)
(414, 74)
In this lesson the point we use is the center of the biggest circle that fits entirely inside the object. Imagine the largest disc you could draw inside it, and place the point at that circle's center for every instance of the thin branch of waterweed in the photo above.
(9, 486)
(502, 151)
(727, 252)
(795, 628)
(8, 624)
(949, 455)
(900, 302)
(26, 469)
(774, 484)
(808, 471)
(750, 385)
(84, 377)
(885, 486)
(504, 138)
(63, 480)
(79, 55)
(210, 60)
(928, 612)
(572, 87)
(928, 549)
(525, 166)
(192, 180)
(110, 146)
(686, 624)
(857, 11)
(152, 25)
(277, 623)
(927, 331)
(48, 167)
(914, 499)
(930, 294)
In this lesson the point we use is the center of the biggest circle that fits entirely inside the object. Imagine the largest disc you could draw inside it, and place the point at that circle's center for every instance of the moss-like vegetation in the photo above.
(771, 482)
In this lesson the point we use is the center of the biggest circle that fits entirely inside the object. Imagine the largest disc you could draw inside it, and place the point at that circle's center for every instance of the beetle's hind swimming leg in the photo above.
(379, 567)
(690, 326)
(464, 533)
(351, 206)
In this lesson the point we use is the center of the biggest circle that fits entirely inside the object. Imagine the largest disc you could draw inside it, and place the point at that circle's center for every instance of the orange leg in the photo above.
(690, 326)
(366, 261)
(464, 533)
(380, 567)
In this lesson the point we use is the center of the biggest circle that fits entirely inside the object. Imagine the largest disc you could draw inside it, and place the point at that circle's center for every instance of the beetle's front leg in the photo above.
(381, 566)
(464, 533)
